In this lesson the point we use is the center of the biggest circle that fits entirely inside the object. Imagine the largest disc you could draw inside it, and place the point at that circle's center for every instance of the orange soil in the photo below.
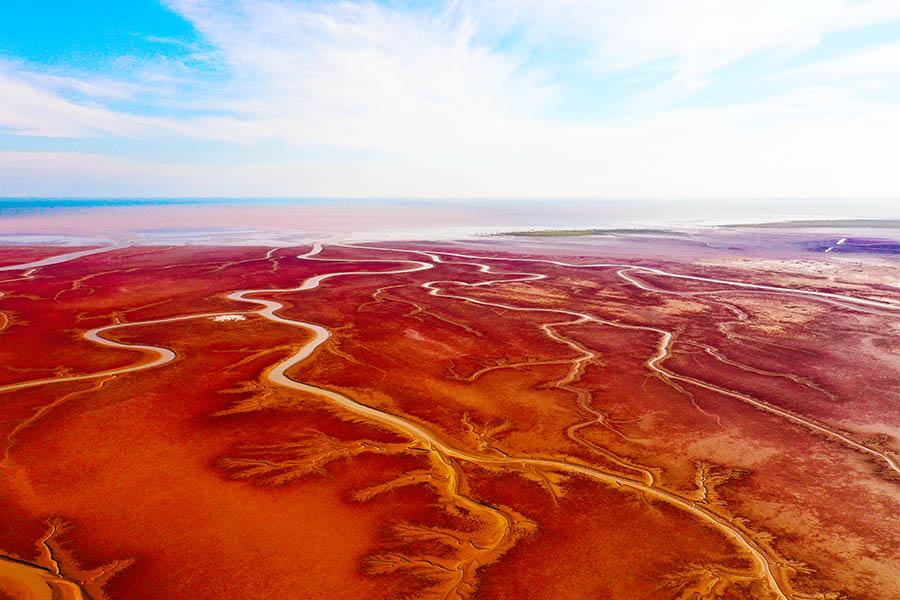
(199, 479)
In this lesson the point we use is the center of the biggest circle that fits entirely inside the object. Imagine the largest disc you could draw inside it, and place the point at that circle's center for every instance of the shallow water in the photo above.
(250, 220)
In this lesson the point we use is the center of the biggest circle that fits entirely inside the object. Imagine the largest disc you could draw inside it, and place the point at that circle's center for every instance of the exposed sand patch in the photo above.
(679, 307)
(857, 271)
(228, 318)
(415, 335)
(776, 317)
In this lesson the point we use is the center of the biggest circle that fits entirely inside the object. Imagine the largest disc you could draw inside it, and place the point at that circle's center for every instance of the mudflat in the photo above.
(646, 417)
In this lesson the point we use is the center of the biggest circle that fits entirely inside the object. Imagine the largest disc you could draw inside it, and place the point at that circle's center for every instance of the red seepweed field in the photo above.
(447, 420)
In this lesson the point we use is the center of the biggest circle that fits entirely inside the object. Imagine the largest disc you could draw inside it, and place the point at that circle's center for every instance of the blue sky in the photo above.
(461, 98)
(86, 34)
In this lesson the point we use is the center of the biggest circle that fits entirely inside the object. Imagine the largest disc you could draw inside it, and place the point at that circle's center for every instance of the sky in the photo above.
(451, 99)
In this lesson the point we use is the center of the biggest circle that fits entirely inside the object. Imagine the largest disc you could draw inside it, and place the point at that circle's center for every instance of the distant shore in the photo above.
(820, 223)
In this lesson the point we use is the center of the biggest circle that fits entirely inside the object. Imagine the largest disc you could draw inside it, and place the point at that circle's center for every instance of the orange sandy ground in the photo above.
(198, 480)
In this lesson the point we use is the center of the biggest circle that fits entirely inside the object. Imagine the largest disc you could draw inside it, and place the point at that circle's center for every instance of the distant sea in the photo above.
(25, 205)
(126, 218)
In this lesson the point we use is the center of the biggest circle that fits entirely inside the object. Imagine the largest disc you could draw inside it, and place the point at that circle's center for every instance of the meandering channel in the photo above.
(767, 567)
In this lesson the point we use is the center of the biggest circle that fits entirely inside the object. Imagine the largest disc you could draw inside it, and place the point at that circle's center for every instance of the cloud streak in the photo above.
(462, 99)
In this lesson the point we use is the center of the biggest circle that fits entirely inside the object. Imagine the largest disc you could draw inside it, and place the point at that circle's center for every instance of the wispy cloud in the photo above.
(863, 71)
(32, 104)
(461, 99)
(698, 37)
(362, 75)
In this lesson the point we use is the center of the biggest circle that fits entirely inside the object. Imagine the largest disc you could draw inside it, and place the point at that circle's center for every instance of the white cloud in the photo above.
(360, 75)
(26, 108)
(693, 153)
(425, 102)
(697, 36)
(873, 67)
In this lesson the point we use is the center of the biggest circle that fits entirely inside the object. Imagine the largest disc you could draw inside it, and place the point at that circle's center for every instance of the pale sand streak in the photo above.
(321, 334)
(278, 375)
(61, 258)
(662, 273)
(653, 363)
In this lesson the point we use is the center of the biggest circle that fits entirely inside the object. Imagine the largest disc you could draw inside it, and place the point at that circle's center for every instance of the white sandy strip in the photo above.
(419, 433)
(428, 439)
(660, 272)
(61, 258)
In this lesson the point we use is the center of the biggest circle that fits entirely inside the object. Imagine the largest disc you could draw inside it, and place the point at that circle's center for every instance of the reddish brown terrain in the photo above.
(504, 418)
